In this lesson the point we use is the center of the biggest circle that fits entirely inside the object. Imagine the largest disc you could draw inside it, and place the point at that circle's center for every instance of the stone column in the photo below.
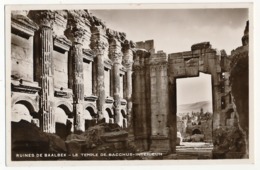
(99, 44)
(115, 55)
(45, 20)
(77, 33)
(128, 63)
(78, 85)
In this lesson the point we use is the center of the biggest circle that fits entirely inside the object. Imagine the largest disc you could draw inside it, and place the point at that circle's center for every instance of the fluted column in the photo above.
(77, 33)
(99, 44)
(115, 54)
(45, 20)
(128, 63)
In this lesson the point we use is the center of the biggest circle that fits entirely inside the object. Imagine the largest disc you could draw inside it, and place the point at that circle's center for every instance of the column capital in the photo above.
(128, 45)
(128, 51)
(99, 42)
(115, 40)
(44, 18)
(78, 27)
(98, 45)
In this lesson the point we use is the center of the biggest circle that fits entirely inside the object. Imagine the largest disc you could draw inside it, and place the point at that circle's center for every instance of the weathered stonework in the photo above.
(58, 62)
(69, 71)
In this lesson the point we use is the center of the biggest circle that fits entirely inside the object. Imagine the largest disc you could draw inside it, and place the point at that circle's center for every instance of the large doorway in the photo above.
(194, 114)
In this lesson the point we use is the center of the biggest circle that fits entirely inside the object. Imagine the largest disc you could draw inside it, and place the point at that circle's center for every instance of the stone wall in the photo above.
(154, 95)
(59, 59)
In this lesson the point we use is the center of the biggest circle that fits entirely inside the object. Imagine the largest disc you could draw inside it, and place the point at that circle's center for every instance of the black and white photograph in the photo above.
(130, 82)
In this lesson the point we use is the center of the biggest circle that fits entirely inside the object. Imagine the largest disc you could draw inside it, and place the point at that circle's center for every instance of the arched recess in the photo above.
(90, 116)
(109, 116)
(124, 118)
(30, 102)
(64, 105)
(89, 113)
(23, 110)
(63, 121)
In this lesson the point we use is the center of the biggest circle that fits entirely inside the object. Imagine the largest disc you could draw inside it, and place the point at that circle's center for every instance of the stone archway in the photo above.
(90, 117)
(124, 119)
(63, 121)
(21, 112)
(24, 110)
(109, 116)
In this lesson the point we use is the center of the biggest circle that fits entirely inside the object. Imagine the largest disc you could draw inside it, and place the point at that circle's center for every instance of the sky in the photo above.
(195, 89)
(175, 30)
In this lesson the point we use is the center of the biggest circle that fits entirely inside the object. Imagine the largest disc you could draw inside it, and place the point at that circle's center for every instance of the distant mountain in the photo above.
(195, 107)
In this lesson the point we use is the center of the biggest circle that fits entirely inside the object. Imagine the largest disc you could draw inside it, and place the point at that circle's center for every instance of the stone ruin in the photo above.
(69, 72)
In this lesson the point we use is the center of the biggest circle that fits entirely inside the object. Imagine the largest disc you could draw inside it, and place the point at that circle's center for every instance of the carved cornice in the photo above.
(61, 18)
(23, 24)
(62, 94)
(44, 18)
(88, 54)
(62, 42)
(25, 89)
(123, 102)
(122, 70)
(90, 98)
(108, 63)
(109, 100)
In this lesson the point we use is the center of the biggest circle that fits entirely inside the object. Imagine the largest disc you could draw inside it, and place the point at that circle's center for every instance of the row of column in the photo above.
(99, 44)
